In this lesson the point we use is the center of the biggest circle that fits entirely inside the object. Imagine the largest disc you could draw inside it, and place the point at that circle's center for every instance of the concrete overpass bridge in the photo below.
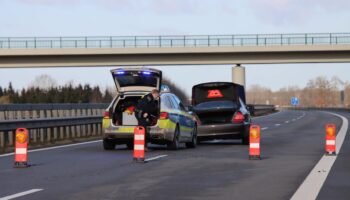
(174, 50)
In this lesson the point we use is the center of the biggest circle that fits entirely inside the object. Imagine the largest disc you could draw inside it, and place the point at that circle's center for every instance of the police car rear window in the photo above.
(131, 80)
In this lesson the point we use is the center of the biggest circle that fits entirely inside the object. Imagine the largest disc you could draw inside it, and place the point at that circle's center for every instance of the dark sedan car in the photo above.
(221, 110)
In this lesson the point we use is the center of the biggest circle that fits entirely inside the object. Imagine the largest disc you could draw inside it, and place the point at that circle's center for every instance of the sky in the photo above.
(41, 18)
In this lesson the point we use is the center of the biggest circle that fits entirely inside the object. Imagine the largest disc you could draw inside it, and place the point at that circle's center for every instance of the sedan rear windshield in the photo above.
(132, 80)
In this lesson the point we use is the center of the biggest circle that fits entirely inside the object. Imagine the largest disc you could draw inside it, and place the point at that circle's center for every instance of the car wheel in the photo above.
(130, 145)
(108, 145)
(245, 136)
(193, 143)
(174, 145)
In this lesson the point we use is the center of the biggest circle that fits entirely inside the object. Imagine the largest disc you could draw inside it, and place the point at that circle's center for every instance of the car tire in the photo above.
(174, 145)
(193, 143)
(108, 145)
(130, 145)
(245, 136)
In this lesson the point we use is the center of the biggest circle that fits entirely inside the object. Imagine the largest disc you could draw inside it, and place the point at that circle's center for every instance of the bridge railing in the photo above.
(174, 41)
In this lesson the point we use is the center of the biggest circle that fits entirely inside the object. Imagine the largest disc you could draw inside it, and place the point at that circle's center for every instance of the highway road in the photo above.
(292, 144)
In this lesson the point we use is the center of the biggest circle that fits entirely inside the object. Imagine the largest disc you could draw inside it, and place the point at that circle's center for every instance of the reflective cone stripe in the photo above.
(139, 143)
(254, 142)
(330, 143)
(21, 147)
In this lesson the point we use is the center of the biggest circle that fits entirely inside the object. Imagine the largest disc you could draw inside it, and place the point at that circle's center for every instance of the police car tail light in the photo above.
(163, 115)
(106, 115)
(238, 118)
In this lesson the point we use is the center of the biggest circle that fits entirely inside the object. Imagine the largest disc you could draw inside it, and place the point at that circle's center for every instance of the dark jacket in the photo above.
(147, 105)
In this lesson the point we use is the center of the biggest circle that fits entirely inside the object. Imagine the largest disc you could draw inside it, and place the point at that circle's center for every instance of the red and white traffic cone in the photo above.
(139, 144)
(330, 146)
(21, 148)
(254, 142)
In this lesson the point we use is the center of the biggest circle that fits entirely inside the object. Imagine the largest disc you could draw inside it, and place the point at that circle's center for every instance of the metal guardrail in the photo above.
(51, 130)
(50, 123)
(256, 110)
(174, 41)
(11, 125)
(57, 106)
(339, 109)
(34, 111)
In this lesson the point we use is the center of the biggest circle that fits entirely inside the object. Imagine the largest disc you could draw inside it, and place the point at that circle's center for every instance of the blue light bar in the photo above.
(146, 73)
(120, 72)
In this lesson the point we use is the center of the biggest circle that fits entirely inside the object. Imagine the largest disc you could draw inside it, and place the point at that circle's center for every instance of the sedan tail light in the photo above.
(163, 115)
(238, 117)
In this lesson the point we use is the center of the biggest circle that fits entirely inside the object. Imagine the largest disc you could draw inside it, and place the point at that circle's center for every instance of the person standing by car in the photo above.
(146, 110)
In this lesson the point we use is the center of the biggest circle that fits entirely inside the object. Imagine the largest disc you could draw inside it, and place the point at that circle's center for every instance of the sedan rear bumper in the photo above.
(220, 131)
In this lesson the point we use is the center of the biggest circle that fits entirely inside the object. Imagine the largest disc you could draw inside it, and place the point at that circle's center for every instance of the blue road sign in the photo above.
(294, 101)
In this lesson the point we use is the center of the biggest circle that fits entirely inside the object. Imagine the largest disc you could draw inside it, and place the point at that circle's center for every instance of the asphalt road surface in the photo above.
(292, 144)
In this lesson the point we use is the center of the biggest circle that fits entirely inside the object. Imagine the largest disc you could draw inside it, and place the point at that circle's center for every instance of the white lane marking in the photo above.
(57, 147)
(21, 194)
(293, 120)
(277, 124)
(286, 122)
(155, 158)
(313, 183)
(264, 128)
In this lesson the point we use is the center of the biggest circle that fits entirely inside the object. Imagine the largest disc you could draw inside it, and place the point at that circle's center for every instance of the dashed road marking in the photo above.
(286, 122)
(264, 128)
(155, 158)
(21, 194)
(277, 124)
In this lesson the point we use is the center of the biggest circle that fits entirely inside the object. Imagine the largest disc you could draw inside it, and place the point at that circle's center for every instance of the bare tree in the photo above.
(43, 81)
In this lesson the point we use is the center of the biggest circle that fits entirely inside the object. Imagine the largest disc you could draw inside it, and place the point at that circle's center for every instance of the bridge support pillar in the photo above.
(238, 75)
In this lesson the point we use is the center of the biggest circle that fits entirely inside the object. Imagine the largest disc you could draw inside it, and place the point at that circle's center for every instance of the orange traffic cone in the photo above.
(21, 147)
(330, 146)
(254, 142)
(139, 144)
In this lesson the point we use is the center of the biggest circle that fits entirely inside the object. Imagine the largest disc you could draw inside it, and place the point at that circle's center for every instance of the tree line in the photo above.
(318, 92)
(44, 90)
(61, 94)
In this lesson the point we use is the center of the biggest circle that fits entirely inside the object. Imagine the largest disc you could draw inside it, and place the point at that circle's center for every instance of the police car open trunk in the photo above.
(217, 102)
(132, 84)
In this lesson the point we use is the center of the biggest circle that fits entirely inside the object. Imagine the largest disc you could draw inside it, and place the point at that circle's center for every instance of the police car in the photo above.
(172, 124)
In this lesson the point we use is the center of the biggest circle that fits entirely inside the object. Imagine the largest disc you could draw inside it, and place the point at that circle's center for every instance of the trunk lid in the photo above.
(217, 102)
(136, 79)
(217, 91)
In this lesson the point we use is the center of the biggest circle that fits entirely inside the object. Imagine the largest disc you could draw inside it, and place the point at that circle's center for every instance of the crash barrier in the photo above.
(257, 110)
(21, 148)
(50, 131)
(39, 111)
(330, 139)
(334, 109)
(139, 144)
(254, 142)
